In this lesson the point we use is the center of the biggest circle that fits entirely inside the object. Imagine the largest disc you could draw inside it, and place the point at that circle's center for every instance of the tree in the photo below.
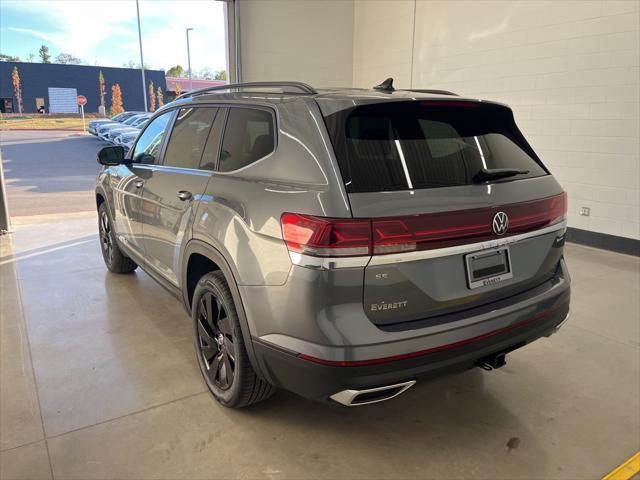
(8, 58)
(132, 64)
(102, 89)
(68, 59)
(178, 89)
(220, 75)
(31, 57)
(17, 88)
(44, 54)
(152, 97)
(205, 74)
(160, 97)
(175, 71)
(116, 100)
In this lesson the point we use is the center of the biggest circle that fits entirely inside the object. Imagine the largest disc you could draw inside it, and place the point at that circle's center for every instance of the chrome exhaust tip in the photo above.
(357, 398)
(560, 325)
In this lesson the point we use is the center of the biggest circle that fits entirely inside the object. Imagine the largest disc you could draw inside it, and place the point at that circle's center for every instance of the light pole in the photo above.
(144, 82)
(189, 59)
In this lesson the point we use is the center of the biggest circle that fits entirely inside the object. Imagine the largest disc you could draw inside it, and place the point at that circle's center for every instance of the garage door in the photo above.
(63, 100)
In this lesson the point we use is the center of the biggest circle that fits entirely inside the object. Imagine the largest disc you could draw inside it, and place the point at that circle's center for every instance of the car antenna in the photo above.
(386, 86)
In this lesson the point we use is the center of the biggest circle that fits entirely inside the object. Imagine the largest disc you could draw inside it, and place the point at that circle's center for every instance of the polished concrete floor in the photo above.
(98, 380)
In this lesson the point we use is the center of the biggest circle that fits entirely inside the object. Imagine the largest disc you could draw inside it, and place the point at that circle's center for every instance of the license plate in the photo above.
(488, 267)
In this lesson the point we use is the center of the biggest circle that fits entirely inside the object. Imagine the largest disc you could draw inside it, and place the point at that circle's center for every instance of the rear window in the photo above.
(412, 145)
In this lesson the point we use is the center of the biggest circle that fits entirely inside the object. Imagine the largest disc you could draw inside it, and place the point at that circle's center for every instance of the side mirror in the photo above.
(110, 156)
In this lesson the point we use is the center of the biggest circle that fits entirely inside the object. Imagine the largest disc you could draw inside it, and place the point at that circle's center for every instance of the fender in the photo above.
(213, 254)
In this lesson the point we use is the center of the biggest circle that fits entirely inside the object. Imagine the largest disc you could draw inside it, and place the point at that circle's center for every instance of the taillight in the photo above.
(326, 237)
(337, 237)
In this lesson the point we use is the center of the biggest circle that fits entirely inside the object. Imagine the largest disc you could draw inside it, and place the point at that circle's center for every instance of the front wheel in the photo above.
(114, 259)
(222, 356)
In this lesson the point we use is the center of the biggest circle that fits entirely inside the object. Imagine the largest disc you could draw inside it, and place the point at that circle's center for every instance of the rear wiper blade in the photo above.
(485, 174)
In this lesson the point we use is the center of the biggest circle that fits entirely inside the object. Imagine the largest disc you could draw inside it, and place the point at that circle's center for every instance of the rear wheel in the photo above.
(222, 356)
(114, 259)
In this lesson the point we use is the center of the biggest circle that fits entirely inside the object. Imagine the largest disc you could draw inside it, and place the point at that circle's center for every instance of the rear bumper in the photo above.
(320, 379)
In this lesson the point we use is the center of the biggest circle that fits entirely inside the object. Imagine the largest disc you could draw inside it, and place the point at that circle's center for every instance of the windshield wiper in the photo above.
(486, 174)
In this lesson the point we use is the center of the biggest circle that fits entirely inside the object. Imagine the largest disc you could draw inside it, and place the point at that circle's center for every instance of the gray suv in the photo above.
(342, 244)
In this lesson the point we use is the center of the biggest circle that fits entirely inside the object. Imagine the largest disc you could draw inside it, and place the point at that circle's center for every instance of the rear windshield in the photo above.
(412, 145)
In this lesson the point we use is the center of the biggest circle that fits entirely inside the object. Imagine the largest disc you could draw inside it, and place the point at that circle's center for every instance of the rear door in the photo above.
(172, 192)
(418, 170)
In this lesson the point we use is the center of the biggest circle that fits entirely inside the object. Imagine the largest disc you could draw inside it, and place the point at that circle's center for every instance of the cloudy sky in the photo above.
(104, 32)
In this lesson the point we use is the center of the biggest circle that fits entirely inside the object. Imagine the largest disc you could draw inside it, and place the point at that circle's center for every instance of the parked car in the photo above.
(340, 244)
(126, 140)
(134, 126)
(103, 129)
(119, 118)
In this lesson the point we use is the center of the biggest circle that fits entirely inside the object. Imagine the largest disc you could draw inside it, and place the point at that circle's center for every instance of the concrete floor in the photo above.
(98, 380)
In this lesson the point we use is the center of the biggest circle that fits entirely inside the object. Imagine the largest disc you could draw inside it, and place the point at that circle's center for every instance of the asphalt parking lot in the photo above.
(49, 172)
(98, 377)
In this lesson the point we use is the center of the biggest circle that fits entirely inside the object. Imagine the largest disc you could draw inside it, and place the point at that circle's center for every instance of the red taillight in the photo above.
(326, 237)
(329, 237)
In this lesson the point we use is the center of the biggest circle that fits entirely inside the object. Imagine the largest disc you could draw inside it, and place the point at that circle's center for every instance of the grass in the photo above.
(40, 122)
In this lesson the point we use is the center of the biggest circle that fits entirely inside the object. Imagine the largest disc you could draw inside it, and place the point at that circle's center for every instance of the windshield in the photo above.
(426, 144)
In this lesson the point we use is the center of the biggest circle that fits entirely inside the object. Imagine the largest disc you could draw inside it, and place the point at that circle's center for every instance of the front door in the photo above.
(128, 184)
(173, 191)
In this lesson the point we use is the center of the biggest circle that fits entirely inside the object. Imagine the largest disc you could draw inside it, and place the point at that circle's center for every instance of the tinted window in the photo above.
(412, 145)
(148, 146)
(248, 137)
(188, 137)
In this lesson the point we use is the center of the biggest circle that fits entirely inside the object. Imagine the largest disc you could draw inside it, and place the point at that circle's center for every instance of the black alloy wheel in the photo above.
(105, 237)
(215, 341)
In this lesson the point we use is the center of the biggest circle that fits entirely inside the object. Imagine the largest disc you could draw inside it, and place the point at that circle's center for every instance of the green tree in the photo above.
(17, 87)
(221, 75)
(116, 100)
(68, 59)
(31, 57)
(45, 57)
(8, 58)
(175, 71)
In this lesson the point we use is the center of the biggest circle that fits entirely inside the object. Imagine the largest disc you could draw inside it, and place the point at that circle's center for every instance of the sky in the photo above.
(104, 32)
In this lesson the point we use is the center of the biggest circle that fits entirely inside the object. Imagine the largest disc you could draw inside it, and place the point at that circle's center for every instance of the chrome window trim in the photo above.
(333, 263)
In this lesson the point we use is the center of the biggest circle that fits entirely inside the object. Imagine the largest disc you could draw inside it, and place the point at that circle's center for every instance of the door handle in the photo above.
(184, 195)
(139, 183)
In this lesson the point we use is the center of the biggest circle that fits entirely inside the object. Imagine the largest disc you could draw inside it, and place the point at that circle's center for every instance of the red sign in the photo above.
(82, 100)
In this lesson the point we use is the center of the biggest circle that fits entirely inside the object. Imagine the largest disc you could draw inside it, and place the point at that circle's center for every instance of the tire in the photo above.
(220, 346)
(114, 259)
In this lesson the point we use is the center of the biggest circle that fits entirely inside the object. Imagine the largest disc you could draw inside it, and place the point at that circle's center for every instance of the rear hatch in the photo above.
(443, 183)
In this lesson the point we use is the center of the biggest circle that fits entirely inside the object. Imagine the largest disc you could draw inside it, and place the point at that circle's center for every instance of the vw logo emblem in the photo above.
(500, 223)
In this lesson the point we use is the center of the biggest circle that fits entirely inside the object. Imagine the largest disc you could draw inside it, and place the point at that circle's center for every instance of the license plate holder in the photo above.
(488, 267)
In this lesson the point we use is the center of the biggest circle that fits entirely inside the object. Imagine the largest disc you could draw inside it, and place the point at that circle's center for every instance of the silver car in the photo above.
(342, 244)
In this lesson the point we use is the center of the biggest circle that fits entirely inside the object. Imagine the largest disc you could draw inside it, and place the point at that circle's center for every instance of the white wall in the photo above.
(309, 41)
(569, 69)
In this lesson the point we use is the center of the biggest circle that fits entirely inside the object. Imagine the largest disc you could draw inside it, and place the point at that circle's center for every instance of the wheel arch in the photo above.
(198, 251)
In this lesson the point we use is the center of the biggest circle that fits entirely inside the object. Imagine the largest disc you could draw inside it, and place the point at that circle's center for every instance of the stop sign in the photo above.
(82, 100)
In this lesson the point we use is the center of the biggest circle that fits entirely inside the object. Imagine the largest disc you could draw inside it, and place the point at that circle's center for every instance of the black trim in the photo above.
(311, 380)
(614, 243)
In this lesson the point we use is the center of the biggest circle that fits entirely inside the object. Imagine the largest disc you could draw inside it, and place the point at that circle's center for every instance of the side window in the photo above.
(147, 149)
(188, 137)
(249, 136)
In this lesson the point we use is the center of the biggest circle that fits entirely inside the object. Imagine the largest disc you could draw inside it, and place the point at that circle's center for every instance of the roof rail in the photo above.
(302, 87)
(436, 92)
